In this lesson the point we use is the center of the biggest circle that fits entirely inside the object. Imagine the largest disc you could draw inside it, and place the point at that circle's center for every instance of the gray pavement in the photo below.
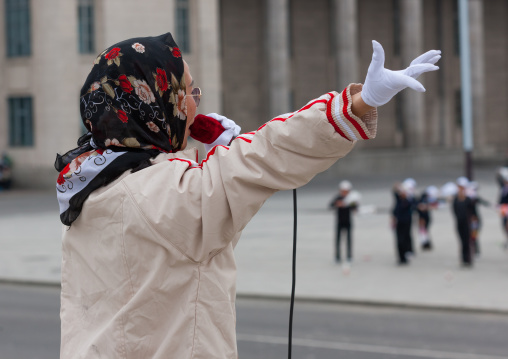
(31, 251)
(30, 328)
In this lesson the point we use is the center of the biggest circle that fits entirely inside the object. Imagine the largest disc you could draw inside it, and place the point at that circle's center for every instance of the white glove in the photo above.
(382, 84)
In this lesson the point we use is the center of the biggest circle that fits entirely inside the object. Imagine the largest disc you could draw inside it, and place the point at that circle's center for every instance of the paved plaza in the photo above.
(30, 241)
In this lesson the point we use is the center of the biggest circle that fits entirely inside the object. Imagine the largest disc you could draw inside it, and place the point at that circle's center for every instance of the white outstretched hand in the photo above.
(382, 84)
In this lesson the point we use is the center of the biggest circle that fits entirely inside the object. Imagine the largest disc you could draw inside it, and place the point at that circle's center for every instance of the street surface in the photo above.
(31, 248)
(30, 329)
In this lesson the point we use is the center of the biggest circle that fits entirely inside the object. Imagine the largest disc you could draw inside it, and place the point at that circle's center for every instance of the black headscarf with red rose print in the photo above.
(133, 104)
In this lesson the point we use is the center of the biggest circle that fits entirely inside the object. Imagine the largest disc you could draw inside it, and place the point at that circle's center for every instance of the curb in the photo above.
(373, 303)
(315, 300)
(34, 283)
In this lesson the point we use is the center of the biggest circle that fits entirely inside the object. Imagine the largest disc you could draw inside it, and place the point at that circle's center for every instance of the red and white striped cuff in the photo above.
(349, 126)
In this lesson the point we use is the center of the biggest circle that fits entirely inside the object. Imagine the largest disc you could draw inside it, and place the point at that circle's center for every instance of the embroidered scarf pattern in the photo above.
(133, 104)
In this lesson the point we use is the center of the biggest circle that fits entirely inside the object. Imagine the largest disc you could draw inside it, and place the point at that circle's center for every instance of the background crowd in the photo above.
(412, 212)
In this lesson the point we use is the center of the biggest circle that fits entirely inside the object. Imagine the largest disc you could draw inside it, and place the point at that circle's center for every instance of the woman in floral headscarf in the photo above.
(134, 106)
(148, 269)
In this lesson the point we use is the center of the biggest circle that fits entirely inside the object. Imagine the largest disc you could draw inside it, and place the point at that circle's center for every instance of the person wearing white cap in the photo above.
(402, 215)
(409, 185)
(464, 211)
(345, 205)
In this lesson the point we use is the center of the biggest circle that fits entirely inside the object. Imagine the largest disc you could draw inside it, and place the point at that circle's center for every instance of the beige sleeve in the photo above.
(201, 207)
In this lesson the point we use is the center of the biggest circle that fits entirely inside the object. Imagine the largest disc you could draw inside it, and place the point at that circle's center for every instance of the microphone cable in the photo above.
(290, 339)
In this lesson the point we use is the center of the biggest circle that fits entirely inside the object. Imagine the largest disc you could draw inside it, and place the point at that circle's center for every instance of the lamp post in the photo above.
(465, 75)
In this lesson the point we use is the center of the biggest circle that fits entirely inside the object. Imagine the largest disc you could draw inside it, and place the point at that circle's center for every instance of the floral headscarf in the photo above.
(133, 104)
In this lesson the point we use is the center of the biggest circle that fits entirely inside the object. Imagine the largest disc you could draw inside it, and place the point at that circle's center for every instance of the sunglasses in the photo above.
(196, 94)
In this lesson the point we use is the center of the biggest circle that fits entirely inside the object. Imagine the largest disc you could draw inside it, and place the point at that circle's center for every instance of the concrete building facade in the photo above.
(254, 59)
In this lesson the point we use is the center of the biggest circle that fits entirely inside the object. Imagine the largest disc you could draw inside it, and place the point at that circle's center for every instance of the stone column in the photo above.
(476, 33)
(411, 47)
(346, 46)
(278, 57)
(207, 57)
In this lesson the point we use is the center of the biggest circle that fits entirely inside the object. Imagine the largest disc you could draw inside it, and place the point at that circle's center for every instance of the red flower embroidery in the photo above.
(113, 53)
(176, 52)
(61, 179)
(162, 80)
(122, 116)
(125, 84)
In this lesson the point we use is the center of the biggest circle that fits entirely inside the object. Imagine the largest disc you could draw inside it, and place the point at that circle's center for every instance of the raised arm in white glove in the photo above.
(382, 84)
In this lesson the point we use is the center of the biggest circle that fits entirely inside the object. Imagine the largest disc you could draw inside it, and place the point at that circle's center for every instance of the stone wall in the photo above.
(229, 61)
(244, 62)
(496, 84)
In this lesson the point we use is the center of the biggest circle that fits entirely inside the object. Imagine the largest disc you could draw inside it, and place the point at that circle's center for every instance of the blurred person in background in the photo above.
(502, 178)
(345, 204)
(427, 202)
(472, 192)
(410, 185)
(464, 212)
(148, 267)
(410, 188)
(402, 216)
(5, 172)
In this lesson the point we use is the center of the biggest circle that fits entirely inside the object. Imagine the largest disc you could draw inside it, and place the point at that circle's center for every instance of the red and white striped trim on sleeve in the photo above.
(349, 126)
(190, 163)
(323, 99)
(338, 112)
(193, 164)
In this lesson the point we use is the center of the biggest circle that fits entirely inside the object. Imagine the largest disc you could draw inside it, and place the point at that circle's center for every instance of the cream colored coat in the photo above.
(148, 267)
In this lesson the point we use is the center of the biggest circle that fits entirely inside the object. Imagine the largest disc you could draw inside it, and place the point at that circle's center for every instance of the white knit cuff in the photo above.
(345, 122)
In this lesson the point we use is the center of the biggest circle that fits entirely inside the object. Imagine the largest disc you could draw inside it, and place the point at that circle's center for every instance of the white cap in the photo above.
(345, 186)
(449, 189)
(409, 183)
(407, 188)
(472, 189)
(462, 181)
(432, 192)
(503, 172)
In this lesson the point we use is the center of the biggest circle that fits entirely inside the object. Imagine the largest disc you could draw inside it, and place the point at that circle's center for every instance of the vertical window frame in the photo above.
(86, 26)
(182, 17)
(18, 28)
(21, 121)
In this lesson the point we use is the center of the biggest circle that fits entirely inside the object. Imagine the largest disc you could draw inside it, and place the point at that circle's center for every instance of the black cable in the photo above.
(290, 341)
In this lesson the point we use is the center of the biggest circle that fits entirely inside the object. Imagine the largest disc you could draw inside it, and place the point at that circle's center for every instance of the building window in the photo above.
(17, 21)
(86, 31)
(20, 121)
(182, 25)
